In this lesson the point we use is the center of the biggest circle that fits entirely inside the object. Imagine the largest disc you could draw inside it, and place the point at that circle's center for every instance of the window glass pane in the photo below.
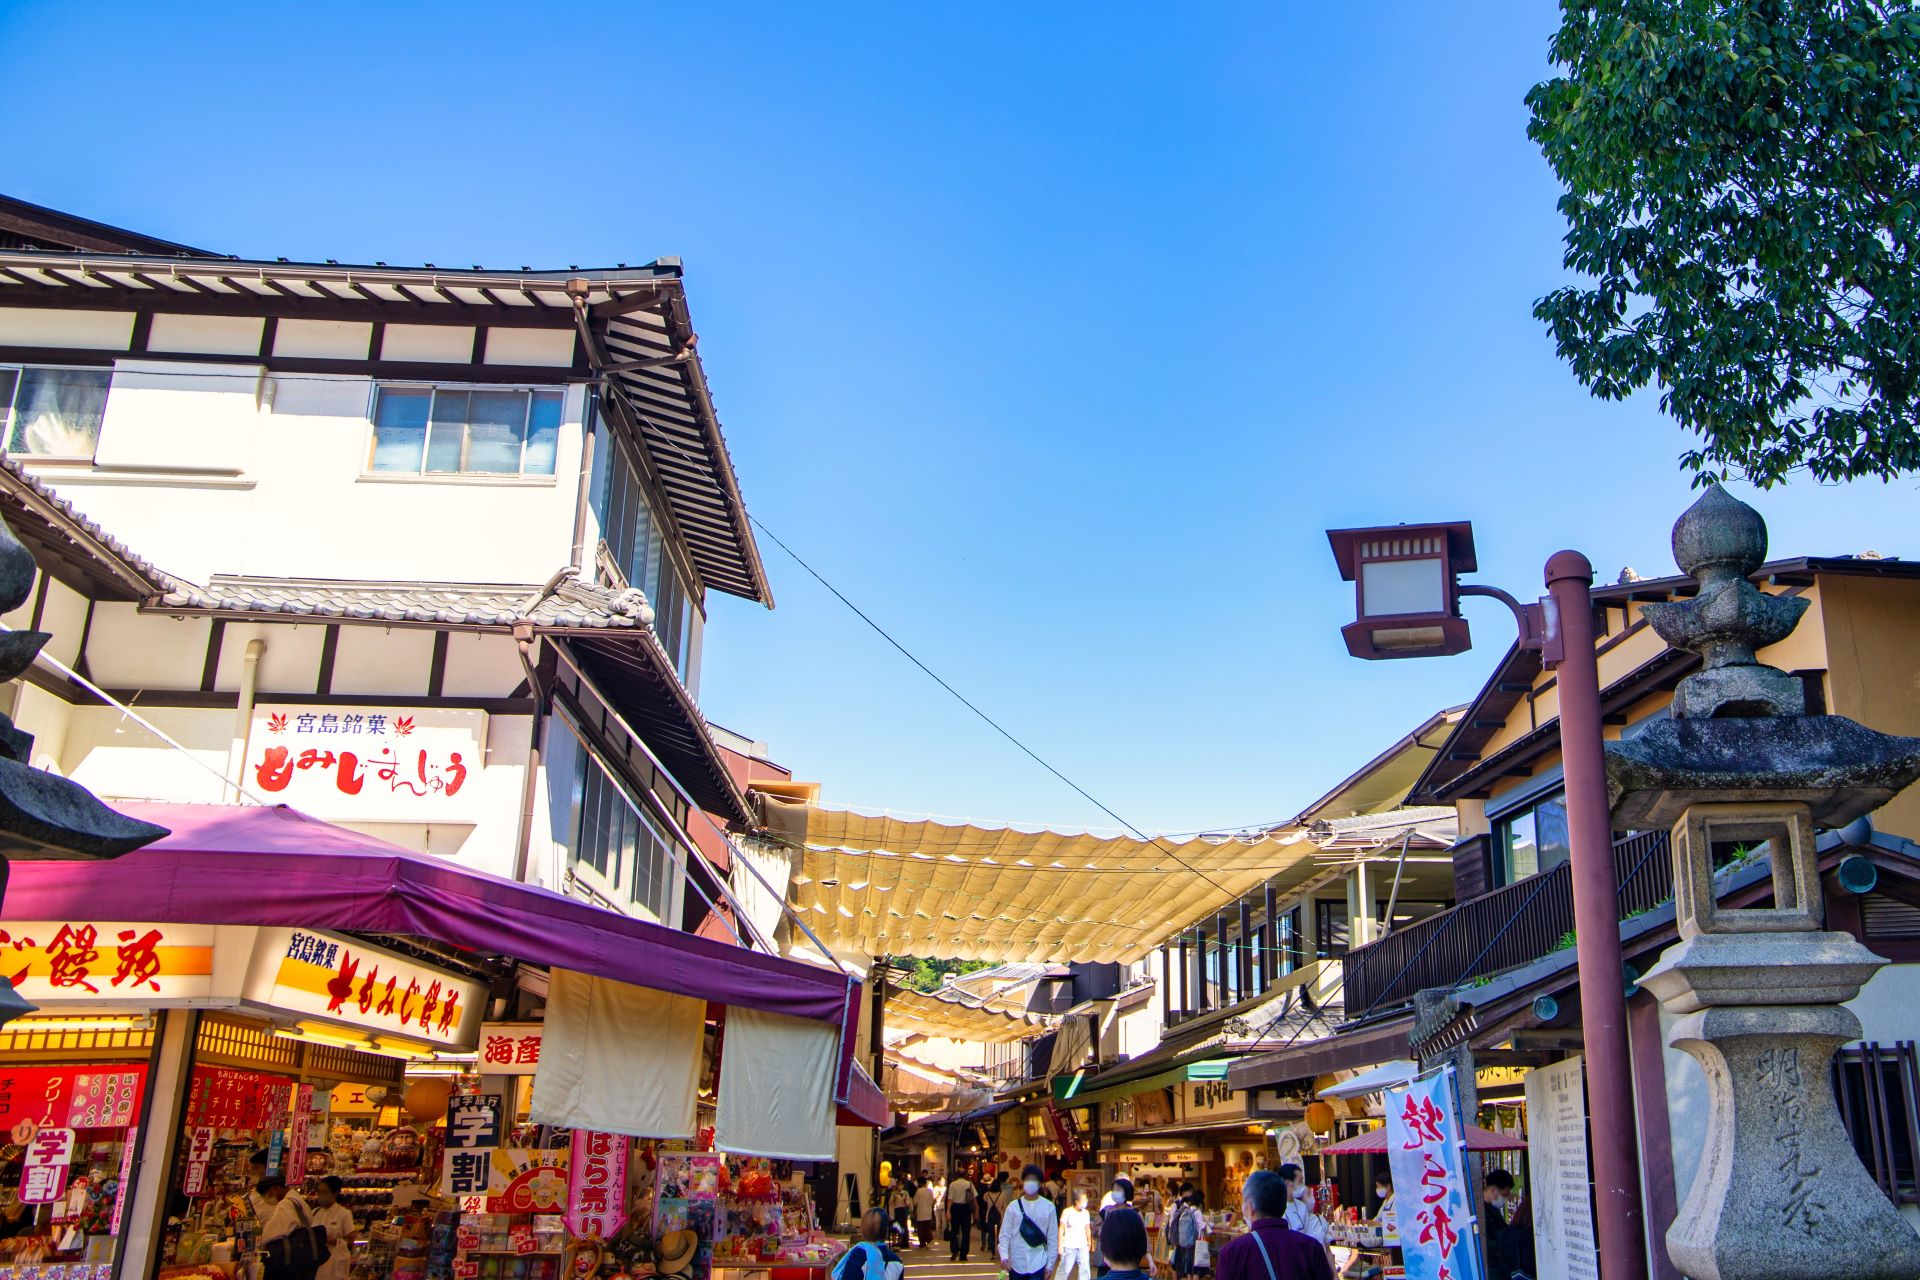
(543, 433)
(629, 842)
(1522, 848)
(57, 412)
(1550, 830)
(566, 776)
(497, 425)
(400, 428)
(8, 379)
(446, 442)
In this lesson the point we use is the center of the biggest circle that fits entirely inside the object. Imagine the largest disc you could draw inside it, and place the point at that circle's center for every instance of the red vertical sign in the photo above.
(597, 1184)
(297, 1135)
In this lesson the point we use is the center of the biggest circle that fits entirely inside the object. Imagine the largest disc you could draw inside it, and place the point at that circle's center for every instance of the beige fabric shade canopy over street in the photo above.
(882, 885)
(956, 1020)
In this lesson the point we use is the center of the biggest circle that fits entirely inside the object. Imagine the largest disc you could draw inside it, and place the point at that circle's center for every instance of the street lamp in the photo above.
(1407, 598)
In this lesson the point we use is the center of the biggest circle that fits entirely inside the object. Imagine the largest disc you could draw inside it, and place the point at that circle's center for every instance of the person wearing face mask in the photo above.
(1076, 1241)
(1270, 1249)
(1302, 1212)
(1029, 1232)
(1384, 1215)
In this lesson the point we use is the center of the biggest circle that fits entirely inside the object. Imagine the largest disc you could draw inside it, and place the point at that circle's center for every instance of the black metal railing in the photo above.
(1513, 925)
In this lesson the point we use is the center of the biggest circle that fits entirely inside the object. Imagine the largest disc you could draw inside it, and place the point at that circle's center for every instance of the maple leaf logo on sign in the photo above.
(403, 726)
(277, 723)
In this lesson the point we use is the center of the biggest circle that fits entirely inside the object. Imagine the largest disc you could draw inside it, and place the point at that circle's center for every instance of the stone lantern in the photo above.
(1780, 1191)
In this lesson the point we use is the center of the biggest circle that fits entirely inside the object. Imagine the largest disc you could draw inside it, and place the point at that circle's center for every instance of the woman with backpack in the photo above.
(1184, 1233)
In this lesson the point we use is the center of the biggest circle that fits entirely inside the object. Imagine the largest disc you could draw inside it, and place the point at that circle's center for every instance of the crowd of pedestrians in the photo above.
(1041, 1229)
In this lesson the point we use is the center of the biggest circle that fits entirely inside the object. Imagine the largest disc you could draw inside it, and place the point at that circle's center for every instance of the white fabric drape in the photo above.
(619, 1058)
(776, 1087)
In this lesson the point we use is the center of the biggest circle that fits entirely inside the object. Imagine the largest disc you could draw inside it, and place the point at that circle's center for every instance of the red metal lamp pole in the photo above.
(1619, 1222)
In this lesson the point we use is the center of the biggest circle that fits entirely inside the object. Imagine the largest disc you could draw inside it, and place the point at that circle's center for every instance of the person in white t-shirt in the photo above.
(1029, 1232)
(1076, 1241)
(923, 1213)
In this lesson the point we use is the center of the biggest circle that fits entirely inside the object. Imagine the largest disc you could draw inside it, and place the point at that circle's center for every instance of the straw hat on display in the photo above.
(676, 1253)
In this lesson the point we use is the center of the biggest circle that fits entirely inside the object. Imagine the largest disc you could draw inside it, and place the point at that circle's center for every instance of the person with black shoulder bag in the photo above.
(1029, 1232)
(295, 1247)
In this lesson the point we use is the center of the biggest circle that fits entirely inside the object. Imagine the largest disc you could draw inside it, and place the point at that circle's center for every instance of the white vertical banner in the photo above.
(1559, 1183)
(1432, 1194)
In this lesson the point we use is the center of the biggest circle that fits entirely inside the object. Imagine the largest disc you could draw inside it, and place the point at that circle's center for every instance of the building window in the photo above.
(53, 413)
(1531, 840)
(465, 431)
(1877, 1087)
(636, 541)
(614, 845)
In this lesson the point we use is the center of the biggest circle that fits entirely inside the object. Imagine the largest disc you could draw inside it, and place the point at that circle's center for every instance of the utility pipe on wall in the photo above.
(243, 718)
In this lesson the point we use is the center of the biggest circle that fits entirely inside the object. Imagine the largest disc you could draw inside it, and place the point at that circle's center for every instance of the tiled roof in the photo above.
(570, 605)
(70, 544)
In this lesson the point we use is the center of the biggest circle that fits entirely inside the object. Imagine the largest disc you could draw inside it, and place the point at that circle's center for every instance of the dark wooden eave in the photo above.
(32, 226)
(636, 328)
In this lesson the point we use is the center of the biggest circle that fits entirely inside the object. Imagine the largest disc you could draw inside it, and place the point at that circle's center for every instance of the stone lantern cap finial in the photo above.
(1719, 541)
(1739, 728)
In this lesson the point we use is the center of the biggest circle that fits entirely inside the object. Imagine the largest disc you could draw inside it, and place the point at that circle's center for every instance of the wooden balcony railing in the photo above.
(1513, 925)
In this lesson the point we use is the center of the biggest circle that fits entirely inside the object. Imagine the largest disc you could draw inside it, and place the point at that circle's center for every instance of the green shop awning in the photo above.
(1083, 1089)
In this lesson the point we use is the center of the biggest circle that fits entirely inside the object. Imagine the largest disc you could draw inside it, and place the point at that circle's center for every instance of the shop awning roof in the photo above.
(930, 1015)
(880, 885)
(866, 1105)
(1083, 1090)
(256, 865)
(1384, 1076)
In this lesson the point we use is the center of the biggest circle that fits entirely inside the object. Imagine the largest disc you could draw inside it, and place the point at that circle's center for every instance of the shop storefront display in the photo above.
(69, 1134)
(303, 1053)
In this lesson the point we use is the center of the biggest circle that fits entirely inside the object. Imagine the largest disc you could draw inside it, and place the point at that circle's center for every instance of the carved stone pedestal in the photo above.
(1780, 1194)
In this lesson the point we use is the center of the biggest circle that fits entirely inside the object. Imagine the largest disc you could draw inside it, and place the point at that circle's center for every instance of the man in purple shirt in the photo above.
(1271, 1250)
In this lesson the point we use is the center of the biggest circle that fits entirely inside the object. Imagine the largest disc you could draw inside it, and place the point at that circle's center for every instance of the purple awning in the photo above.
(250, 865)
(866, 1104)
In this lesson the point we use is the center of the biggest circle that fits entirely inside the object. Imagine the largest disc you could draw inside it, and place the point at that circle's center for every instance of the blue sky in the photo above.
(1055, 335)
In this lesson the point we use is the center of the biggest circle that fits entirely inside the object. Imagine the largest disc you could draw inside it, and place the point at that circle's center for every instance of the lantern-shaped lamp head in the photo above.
(1405, 588)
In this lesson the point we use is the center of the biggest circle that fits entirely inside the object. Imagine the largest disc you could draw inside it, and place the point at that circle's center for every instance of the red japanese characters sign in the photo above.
(297, 1135)
(1427, 1152)
(510, 1048)
(402, 762)
(344, 980)
(44, 1169)
(70, 1097)
(597, 1184)
(223, 1098)
(81, 960)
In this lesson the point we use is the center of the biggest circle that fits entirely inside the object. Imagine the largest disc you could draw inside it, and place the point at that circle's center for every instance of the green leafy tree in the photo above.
(1743, 199)
(929, 975)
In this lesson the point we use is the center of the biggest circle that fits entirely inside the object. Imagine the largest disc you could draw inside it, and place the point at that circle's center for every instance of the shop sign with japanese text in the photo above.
(199, 1155)
(473, 1135)
(328, 976)
(297, 1135)
(597, 1184)
(1426, 1148)
(526, 1180)
(510, 1048)
(410, 764)
(1065, 1132)
(70, 1097)
(68, 961)
(1210, 1100)
(44, 1169)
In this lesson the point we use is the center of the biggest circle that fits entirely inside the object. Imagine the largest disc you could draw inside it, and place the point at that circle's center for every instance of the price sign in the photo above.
(521, 1238)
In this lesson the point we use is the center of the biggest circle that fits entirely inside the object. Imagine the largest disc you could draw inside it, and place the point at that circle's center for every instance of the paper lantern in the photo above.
(1320, 1117)
(427, 1099)
(886, 1173)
